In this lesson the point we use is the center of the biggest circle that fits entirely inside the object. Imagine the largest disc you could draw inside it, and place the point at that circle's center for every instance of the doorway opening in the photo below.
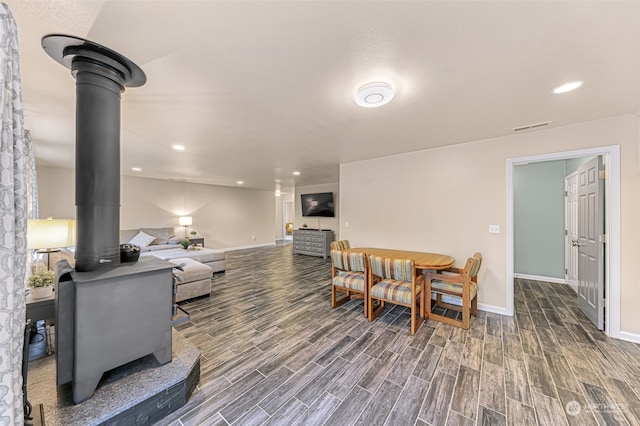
(611, 226)
(287, 220)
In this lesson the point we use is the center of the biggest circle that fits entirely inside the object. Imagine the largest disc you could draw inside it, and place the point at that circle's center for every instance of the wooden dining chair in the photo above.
(395, 281)
(456, 282)
(349, 275)
(339, 245)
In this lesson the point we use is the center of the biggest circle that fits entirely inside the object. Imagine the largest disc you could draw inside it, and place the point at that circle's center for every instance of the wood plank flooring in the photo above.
(274, 352)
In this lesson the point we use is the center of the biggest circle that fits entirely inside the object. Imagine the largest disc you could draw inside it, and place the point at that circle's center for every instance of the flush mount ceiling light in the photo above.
(136, 169)
(240, 182)
(178, 147)
(296, 173)
(567, 87)
(374, 95)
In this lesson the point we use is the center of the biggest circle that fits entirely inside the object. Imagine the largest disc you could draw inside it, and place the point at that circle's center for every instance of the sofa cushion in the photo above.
(142, 239)
(176, 240)
(158, 247)
(162, 234)
(127, 234)
(191, 270)
(202, 255)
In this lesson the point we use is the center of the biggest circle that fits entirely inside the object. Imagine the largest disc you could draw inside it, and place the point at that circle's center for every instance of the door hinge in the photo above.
(566, 193)
(603, 302)
(566, 232)
(566, 271)
(603, 238)
(603, 174)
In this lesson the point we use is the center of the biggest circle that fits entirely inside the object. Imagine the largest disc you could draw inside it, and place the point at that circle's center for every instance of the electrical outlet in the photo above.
(494, 229)
(346, 223)
(253, 238)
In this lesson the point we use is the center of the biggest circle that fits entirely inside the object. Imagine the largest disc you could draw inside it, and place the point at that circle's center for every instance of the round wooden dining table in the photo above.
(423, 260)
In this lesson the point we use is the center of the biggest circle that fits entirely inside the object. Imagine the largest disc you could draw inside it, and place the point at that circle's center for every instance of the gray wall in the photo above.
(573, 164)
(539, 204)
(539, 219)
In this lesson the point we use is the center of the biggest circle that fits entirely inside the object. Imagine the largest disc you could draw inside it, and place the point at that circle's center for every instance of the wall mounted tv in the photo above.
(320, 204)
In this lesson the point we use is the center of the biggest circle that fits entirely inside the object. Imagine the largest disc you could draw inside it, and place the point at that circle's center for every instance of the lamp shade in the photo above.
(50, 233)
(185, 221)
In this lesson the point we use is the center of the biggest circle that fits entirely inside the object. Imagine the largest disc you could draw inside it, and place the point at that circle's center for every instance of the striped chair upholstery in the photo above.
(349, 275)
(461, 283)
(395, 281)
(339, 245)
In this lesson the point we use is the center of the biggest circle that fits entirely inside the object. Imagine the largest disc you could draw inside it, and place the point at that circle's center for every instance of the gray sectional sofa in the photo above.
(166, 246)
(198, 264)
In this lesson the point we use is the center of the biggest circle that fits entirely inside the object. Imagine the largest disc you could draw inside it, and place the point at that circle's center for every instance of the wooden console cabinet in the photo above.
(312, 243)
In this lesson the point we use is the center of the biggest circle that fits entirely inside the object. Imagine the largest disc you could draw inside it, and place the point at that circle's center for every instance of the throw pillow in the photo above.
(161, 234)
(142, 239)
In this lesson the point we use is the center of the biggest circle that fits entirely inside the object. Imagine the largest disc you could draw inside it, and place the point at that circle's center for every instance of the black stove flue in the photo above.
(101, 76)
(107, 313)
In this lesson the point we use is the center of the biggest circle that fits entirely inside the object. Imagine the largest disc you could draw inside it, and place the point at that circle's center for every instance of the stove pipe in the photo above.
(101, 76)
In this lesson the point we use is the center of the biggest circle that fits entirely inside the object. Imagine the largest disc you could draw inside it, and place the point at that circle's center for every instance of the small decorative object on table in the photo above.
(193, 233)
(185, 244)
(42, 284)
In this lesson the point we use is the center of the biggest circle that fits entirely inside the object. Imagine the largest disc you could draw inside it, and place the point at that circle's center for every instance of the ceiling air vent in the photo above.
(531, 126)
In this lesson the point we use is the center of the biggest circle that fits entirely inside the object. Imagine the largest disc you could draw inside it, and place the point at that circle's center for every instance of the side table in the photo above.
(42, 310)
(197, 240)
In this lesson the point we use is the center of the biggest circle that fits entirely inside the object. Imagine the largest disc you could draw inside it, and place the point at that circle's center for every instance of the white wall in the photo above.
(226, 217)
(312, 222)
(442, 200)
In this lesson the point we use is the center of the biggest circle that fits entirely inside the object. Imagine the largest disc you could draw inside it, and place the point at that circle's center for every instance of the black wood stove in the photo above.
(107, 313)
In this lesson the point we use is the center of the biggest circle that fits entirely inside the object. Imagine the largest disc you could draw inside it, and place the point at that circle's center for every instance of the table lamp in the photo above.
(185, 221)
(48, 235)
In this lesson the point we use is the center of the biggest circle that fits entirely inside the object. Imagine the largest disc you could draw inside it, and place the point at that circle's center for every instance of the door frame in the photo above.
(611, 155)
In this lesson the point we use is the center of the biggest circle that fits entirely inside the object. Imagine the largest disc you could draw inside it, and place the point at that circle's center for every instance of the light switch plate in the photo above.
(494, 229)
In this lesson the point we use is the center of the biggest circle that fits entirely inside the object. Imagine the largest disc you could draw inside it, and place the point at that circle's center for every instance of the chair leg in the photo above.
(466, 313)
(474, 306)
(415, 322)
(333, 296)
(374, 311)
(366, 304)
(425, 303)
(335, 302)
(466, 317)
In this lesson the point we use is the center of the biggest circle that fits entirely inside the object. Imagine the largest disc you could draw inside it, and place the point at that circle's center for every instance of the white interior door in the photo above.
(590, 241)
(571, 228)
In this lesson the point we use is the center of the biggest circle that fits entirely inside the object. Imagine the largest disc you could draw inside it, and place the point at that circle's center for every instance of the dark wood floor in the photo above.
(275, 352)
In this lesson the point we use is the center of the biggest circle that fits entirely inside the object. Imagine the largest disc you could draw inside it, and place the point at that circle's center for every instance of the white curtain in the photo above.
(15, 164)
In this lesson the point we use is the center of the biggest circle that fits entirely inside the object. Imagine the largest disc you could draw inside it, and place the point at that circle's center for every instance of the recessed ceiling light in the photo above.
(240, 182)
(296, 173)
(136, 169)
(567, 87)
(374, 95)
(277, 192)
(178, 147)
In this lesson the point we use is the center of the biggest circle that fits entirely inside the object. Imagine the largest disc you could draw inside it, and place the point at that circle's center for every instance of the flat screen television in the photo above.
(320, 204)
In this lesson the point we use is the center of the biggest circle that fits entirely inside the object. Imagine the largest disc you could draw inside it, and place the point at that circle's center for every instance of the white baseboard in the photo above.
(494, 309)
(246, 247)
(630, 337)
(481, 306)
(540, 278)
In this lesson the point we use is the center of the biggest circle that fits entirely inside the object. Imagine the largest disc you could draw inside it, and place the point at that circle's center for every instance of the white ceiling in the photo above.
(256, 90)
